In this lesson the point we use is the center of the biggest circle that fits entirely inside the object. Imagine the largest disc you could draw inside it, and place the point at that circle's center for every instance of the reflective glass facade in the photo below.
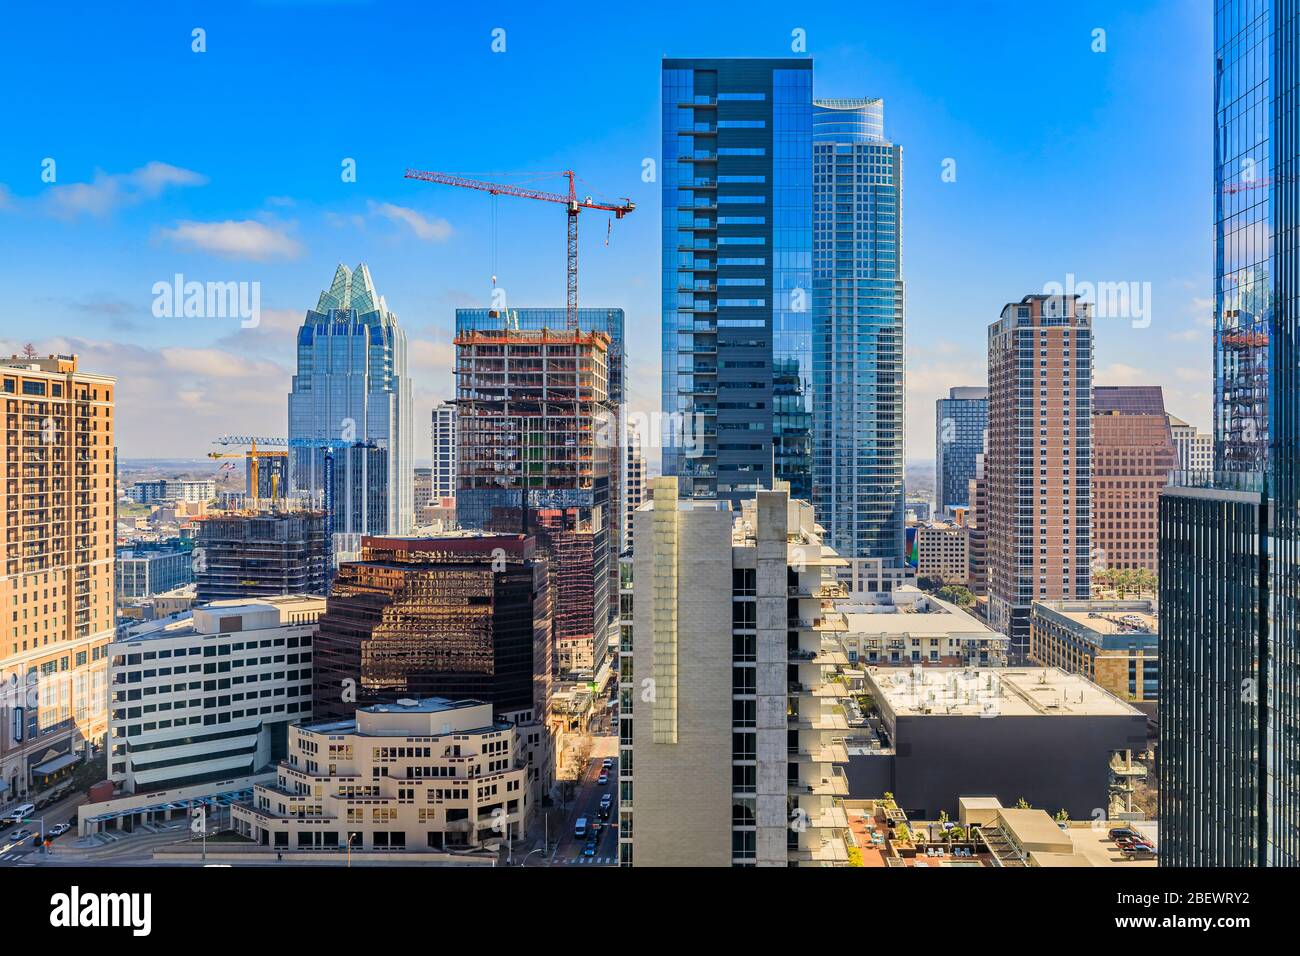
(1243, 192)
(1230, 737)
(858, 329)
(737, 274)
(959, 423)
(352, 384)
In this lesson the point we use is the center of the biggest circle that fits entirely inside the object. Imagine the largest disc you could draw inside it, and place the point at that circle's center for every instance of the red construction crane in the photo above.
(572, 204)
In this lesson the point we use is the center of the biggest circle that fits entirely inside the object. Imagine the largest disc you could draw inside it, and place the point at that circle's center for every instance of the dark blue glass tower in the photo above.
(1229, 668)
(737, 275)
(959, 424)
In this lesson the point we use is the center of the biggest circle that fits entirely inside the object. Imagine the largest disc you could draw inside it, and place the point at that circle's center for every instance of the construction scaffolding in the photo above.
(531, 406)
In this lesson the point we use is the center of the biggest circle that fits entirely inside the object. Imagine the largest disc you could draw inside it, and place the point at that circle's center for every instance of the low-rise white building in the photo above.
(412, 775)
(208, 694)
(912, 627)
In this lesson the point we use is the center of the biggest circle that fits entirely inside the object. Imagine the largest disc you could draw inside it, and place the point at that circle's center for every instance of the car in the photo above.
(607, 763)
(589, 849)
(5, 824)
(603, 779)
(606, 799)
(18, 813)
(1121, 832)
(580, 828)
(58, 830)
(20, 835)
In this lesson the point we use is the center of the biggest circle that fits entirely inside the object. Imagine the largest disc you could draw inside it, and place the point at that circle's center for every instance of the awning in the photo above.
(57, 764)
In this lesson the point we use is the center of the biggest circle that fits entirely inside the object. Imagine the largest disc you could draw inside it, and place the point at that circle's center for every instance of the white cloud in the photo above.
(425, 229)
(172, 401)
(1117, 373)
(107, 192)
(231, 239)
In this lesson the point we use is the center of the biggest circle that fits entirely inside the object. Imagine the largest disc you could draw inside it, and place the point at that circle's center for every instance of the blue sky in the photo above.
(225, 166)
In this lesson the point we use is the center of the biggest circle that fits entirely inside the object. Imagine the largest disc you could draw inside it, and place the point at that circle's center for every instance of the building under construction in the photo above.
(537, 452)
(252, 554)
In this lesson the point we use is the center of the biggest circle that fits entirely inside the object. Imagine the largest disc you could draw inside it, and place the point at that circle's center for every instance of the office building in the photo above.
(260, 555)
(909, 627)
(146, 492)
(1040, 735)
(634, 478)
(535, 425)
(209, 694)
(57, 507)
(423, 488)
(1132, 458)
(943, 552)
(413, 775)
(978, 522)
(443, 434)
(868, 579)
(743, 731)
(959, 423)
(464, 615)
(272, 477)
(1230, 712)
(173, 489)
(1115, 644)
(1193, 447)
(351, 402)
(146, 570)
(858, 329)
(737, 275)
(1038, 462)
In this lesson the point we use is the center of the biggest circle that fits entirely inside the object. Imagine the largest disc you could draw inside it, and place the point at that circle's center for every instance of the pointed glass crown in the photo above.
(353, 289)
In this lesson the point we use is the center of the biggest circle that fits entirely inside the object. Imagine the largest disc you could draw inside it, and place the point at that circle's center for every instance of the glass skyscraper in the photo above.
(737, 275)
(857, 340)
(352, 388)
(959, 423)
(1229, 668)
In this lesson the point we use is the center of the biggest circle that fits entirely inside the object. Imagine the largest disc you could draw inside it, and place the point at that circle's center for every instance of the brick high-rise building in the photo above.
(1038, 462)
(56, 574)
(1133, 454)
(978, 519)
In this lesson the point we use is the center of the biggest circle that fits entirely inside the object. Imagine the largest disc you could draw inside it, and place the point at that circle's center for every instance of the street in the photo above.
(15, 852)
(568, 851)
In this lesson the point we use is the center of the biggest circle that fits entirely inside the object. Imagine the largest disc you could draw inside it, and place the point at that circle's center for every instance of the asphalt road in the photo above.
(569, 850)
(16, 853)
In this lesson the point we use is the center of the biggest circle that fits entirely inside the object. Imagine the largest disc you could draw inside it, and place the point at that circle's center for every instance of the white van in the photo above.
(580, 828)
(19, 812)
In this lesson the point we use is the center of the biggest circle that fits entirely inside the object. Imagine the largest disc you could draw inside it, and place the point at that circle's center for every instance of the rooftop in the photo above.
(910, 611)
(205, 618)
(1098, 619)
(989, 692)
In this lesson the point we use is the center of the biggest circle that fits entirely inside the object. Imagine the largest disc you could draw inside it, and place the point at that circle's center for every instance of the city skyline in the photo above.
(210, 214)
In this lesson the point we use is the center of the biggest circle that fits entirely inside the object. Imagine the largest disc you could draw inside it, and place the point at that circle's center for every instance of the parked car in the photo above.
(58, 830)
(607, 763)
(603, 779)
(1120, 832)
